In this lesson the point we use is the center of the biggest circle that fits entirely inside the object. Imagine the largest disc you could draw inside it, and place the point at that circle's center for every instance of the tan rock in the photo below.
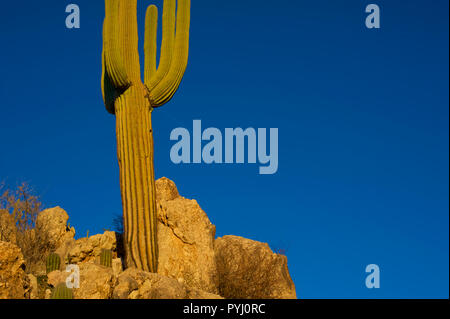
(14, 283)
(34, 288)
(96, 282)
(64, 249)
(54, 221)
(250, 270)
(89, 248)
(166, 190)
(48, 293)
(185, 239)
(56, 277)
(117, 266)
(126, 284)
(138, 284)
(200, 294)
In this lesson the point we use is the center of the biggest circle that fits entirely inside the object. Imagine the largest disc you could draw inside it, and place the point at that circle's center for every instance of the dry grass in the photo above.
(19, 209)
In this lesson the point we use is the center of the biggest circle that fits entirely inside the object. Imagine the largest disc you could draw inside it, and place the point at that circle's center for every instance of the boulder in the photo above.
(166, 190)
(34, 288)
(88, 249)
(193, 293)
(96, 282)
(185, 239)
(54, 222)
(64, 249)
(56, 277)
(117, 266)
(138, 284)
(250, 270)
(14, 283)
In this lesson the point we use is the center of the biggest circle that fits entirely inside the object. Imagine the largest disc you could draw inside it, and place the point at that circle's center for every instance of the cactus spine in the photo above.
(132, 101)
(61, 292)
(53, 262)
(106, 258)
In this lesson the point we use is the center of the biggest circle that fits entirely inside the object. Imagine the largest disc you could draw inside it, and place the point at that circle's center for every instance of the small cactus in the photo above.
(61, 292)
(106, 258)
(53, 262)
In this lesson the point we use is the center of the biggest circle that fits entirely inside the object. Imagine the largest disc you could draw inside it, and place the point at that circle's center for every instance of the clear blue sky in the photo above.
(363, 118)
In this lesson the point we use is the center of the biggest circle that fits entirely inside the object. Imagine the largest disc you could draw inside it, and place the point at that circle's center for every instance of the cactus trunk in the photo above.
(135, 154)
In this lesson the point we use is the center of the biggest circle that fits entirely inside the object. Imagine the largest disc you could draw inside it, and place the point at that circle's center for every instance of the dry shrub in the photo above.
(19, 210)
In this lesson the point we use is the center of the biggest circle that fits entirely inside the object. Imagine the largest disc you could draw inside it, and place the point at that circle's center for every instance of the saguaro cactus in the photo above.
(53, 262)
(61, 292)
(106, 257)
(132, 101)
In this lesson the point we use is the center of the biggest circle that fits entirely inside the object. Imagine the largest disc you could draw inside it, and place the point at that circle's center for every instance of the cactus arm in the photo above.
(128, 38)
(113, 62)
(150, 46)
(167, 45)
(165, 89)
(108, 91)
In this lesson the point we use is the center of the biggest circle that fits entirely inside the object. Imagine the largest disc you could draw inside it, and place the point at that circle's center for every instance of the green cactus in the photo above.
(106, 258)
(61, 292)
(132, 101)
(53, 262)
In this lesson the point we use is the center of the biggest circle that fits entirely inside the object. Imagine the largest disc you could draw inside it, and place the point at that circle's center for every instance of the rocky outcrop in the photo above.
(56, 277)
(137, 284)
(166, 190)
(96, 282)
(193, 293)
(250, 270)
(192, 264)
(185, 240)
(89, 248)
(117, 266)
(53, 222)
(14, 283)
